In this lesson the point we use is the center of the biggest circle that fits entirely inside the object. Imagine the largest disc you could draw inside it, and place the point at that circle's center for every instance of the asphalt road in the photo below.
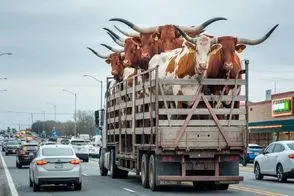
(94, 184)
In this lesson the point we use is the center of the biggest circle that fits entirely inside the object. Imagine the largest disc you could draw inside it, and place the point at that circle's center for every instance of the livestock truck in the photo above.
(145, 134)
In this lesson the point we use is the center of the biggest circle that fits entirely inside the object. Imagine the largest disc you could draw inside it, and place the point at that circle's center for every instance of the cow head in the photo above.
(231, 45)
(203, 46)
(115, 60)
(132, 51)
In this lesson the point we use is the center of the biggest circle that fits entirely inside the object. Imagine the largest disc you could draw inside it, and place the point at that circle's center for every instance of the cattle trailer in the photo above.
(144, 133)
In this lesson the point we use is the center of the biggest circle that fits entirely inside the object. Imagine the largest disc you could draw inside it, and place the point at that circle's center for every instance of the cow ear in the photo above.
(107, 61)
(240, 47)
(215, 48)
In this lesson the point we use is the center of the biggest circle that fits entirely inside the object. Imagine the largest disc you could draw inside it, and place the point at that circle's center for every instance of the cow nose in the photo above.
(228, 66)
(127, 62)
(202, 66)
(145, 55)
(114, 72)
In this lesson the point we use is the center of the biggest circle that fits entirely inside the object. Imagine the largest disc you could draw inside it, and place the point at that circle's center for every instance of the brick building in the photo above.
(272, 120)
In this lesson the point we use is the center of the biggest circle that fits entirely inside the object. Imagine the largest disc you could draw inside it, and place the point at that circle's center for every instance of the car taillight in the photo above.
(291, 156)
(41, 162)
(75, 161)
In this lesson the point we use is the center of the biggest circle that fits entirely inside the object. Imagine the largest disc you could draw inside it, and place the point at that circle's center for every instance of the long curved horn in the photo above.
(112, 49)
(135, 34)
(187, 37)
(97, 54)
(257, 41)
(116, 40)
(114, 34)
(202, 26)
(135, 27)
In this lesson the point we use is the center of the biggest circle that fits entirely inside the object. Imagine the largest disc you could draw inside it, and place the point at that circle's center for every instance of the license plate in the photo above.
(58, 165)
(13, 150)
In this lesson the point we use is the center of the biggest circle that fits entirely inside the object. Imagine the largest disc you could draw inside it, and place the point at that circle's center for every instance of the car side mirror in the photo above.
(264, 152)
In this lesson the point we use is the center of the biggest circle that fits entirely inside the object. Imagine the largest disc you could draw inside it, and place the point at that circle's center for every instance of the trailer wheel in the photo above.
(122, 173)
(103, 170)
(152, 173)
(145, 171)
(113, 168)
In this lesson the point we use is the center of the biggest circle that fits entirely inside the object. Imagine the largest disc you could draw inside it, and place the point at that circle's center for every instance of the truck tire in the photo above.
(145, 171)
(222, 186)
(113, 167)
(122, 173)
(103, 170)
(152, 173)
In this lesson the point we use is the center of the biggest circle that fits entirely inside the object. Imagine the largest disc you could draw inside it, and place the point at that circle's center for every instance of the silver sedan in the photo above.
(55, 164)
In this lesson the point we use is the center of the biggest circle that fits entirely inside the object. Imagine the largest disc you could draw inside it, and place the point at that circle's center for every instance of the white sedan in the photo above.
(276, 160)
(55, 164)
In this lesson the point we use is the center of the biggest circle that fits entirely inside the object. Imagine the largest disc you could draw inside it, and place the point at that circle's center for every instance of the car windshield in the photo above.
(255, 147)
(30, 148)
(12, 143)
(80, 142)
(57, 152)
(291, 146)
(64, 141)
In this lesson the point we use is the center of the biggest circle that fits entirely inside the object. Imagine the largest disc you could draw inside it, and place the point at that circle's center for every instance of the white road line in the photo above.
(9, 178)
(129, 190)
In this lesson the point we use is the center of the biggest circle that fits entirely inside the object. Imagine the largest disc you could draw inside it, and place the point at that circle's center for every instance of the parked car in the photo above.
(1, 140)
(55, 164)
(11, 147)
(81, 148)
(276, 160)
(252, 151)
(65, 141)
(25, 154)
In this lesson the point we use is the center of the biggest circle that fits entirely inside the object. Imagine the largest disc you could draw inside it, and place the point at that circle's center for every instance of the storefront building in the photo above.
(272, 120)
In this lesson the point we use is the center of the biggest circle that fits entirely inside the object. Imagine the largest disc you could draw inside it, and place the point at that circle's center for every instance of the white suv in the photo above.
(81, 148)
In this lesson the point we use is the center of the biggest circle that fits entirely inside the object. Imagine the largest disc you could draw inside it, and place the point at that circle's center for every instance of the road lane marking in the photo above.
(9, 178)
(254, 190)
(129, 190)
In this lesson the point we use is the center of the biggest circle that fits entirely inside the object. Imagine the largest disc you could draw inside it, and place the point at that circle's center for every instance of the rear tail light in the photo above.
(291, 156)
(75, 161)
(41, 162)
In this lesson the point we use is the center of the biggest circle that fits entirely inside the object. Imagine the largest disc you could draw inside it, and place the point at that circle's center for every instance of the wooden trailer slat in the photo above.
(202, 122)
(201, 111)
(203, 81)
(208, 97)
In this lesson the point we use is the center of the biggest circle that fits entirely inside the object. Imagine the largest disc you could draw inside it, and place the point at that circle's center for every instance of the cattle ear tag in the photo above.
(213, 51)
(138, 47)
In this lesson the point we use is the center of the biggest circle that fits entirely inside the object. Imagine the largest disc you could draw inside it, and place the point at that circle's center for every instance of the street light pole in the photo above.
(75, 95)
(101, 86)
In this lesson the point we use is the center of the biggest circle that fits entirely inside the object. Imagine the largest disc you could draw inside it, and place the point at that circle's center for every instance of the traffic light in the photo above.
(97, 118)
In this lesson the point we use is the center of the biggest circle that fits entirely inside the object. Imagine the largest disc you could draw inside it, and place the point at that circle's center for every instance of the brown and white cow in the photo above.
(226, 62)
(185, 63)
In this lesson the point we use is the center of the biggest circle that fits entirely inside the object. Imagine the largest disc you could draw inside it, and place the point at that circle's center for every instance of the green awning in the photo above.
(272, 126)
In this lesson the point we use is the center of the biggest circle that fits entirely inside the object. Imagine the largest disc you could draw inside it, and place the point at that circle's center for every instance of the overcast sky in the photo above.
(48, 40)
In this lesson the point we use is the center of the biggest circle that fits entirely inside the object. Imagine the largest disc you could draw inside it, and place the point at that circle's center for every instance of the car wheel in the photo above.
(77, 186)
(31, 182)
(6, 153)
(152, 174)
(244, 162)
(144, 171)
(113, 168)
(258, 175)
(103, 170)
(280, 174)
(36, 187)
